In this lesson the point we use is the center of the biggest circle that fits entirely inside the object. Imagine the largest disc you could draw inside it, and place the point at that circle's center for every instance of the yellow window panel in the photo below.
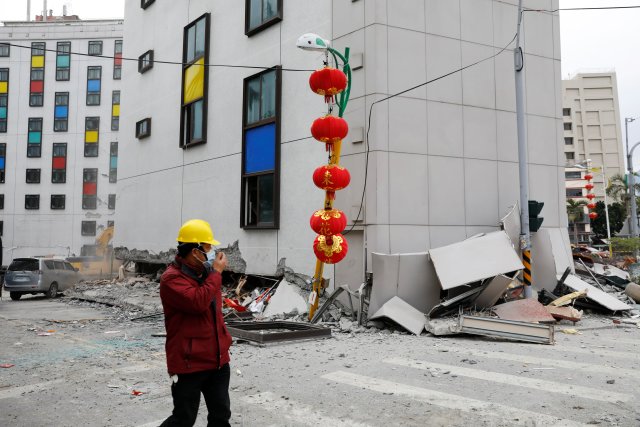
(91, 136)
(3, 87)
(194, 82)
(37, 61)
(115, 111)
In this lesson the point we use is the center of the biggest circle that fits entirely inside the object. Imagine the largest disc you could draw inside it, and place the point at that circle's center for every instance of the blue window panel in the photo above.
(93, 85)
(62, 111)
(3, 112)
(63, 61)
(35, 137)
(260, 149)
(114, 163)
(1, 163)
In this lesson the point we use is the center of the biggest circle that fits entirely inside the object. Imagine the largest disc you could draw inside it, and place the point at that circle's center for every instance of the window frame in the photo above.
(34, 145)
(92, 232)
(111, 204)
(8, 48)
(60, 70)
(55, 172)
(58, 197)
(276, 119)
(91, 68)
(33, 197)
(264, 24)
(3, 156)
(65, 120)
(35, 175)
(147, 56)
(4, 99)
(36, 99)
(147, 133)
(117, 59)
(115, 120)
(86, 197)
(146, 3)
(185, 109)
(1, 201)
(94, 43)
(113, 172)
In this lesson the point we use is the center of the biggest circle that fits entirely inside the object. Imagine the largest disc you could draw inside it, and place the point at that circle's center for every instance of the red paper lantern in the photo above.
(591, 205)
(589, 187)
(328, 222)
(328, 82)
(593, 215)
(588, 177)
(330, 249)
(590, 196)
(331, 178)
(329, 129)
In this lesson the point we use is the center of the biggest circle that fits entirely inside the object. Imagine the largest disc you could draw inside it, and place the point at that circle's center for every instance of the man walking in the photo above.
(198, 342)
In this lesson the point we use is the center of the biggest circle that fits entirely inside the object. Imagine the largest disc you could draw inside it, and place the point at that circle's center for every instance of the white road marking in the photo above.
(18, 391)
(531, 360)
(479, 408)
(515, 380)
(594, 351)
(296, 411)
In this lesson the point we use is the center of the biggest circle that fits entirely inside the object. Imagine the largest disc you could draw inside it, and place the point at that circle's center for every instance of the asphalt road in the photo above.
(79, 365)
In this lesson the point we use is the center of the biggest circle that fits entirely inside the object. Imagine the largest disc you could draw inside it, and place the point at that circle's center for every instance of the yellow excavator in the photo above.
(102, 263)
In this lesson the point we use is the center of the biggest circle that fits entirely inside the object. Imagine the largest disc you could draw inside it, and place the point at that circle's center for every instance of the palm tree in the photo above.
(575, 211)
(618, 189)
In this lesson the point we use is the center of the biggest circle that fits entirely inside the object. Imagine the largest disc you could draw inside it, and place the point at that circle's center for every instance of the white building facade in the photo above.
(442, 161)
(59, 121)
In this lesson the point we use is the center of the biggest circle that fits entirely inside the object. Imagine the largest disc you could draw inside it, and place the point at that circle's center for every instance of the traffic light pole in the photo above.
(525, 235)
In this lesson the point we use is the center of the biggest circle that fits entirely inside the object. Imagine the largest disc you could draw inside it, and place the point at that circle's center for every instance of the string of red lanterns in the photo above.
(591, 205)
(329, 246)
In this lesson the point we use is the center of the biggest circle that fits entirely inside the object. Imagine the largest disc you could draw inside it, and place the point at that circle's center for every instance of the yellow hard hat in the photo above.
(196, 231)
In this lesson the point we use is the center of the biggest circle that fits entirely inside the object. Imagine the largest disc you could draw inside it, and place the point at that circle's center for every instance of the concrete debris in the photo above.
(442, 327)
(135, 255)
(507, 329)
(403, 314)
(235, 262)
(633, 291)
(286, 300)
(524, 310)
(565, 313)
(568, 299)
(594, 294)
(303, 281)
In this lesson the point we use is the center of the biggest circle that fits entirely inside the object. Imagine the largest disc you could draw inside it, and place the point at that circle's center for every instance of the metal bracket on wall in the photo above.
(278, 331)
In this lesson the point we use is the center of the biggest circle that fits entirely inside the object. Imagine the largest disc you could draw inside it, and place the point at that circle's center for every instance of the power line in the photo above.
(581, 8)
(155, 61)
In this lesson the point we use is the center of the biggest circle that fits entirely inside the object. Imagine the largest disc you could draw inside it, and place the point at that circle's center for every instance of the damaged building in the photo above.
(230, 142)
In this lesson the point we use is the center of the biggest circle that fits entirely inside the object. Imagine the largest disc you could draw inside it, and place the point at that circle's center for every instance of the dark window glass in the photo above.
(33, 176)
(260, 14)
(112, 201)
(574, 192)
(58, 201)
(37, 74)
(24, 264)
(62, 74)
(117, 73)
(573, 175)
(146, 3)
(117, 46)
(1, 201)
(32, 201)
(145, 61)
(37, 48)
(568, 126)
(36, 100)
(4, 50)
(95, 48)
(568, 140)
(566, 112)
(64, 48)
(88, 228)
(143, 128)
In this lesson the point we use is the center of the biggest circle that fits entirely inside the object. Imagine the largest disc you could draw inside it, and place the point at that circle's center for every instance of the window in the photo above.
(88, 228)
(145, 61)
(113, 162)
(32, 201)
(57, 201)
(91, 136)
(112, 201)
(89, 188)
(146, 3)
(1, 201)
(61, 112)
(59, 163)
(574, 192)
(568, 126)
(36, 87)
(260, 14)
(111, 224)
(3, 159)
(566, 112)
(4, 98)
(143, 128)
(570, 156)
(4, 50)
(568, 140)
(573, 175)
(95, 48)
(115, 110)
(117, 60)
(33, 176)
(195, 78)
(63, 61)
(94, 80)
(261, 150)
(34, 137)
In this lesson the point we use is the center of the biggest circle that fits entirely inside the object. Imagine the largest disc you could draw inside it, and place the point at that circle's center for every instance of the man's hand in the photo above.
(220, 262)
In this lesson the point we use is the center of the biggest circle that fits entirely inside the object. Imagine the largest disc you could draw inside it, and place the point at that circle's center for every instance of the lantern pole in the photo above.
(314, 42)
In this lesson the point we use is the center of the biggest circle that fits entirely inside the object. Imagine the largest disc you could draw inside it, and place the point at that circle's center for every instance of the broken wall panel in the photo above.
(475, 259)
(494, 290)
(410, 276)
(507, 329)
(543, 264)
(403, 314)
(595, 294)
(561, 248)
(511, 225)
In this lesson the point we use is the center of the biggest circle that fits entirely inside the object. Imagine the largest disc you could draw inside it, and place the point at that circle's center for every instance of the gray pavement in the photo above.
(83, 371)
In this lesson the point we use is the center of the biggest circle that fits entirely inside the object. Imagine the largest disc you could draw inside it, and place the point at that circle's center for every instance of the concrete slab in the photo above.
(475, 259)
(595, 294)
(403, 314)
(39, 308)
(285, 300)
(511, 225)
(524, 310)
(494, 290)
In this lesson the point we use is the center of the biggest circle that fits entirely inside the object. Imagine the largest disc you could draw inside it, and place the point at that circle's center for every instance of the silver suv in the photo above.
(39, 275)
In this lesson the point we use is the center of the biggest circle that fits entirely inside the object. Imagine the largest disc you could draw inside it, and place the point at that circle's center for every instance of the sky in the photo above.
(591, 41)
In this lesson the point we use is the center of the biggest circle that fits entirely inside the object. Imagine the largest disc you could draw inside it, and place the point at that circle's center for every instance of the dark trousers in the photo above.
(214, 386)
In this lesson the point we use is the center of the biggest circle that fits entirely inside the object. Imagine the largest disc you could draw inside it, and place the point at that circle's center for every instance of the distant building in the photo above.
(59, 123)
(230, 144)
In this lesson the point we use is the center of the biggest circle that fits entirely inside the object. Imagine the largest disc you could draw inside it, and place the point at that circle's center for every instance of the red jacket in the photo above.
(197, 338)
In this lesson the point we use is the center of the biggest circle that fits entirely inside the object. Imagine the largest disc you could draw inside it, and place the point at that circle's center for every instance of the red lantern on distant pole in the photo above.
(330, 250)
(588, 177)
(589, 186)
(329, 129)
(328, 82)
(591, 205)
(331, 178)
(590, 196)
(593, 215)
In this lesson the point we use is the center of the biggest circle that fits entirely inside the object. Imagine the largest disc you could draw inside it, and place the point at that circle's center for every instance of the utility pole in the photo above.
(523, 167)
(631, 181)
